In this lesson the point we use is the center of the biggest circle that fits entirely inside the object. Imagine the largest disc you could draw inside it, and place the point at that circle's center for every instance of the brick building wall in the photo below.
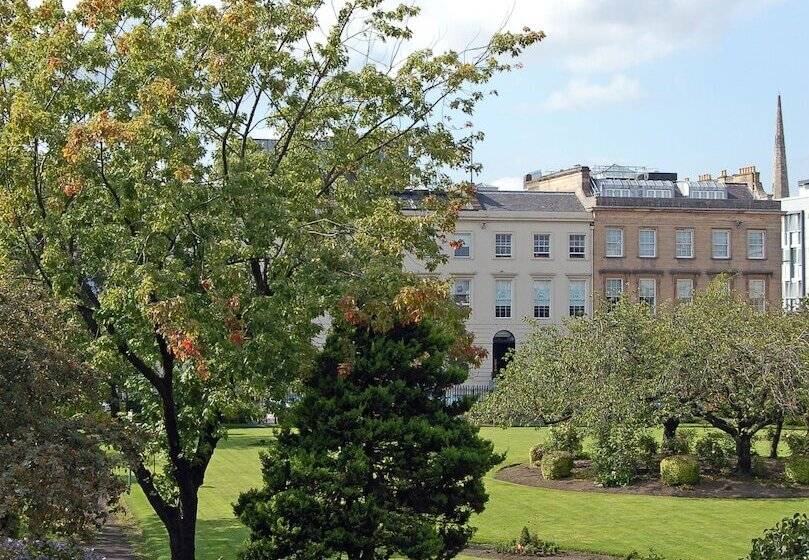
(665, 268)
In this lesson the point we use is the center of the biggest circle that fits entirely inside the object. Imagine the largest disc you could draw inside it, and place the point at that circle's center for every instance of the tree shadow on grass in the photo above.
(215, 538)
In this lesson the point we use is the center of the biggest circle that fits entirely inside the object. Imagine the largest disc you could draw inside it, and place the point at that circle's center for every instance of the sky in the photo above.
(676, 85)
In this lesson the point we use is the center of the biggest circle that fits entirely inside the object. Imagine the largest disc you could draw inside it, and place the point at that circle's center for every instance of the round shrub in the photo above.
(556, 464)
(715, 450)
(797, 469)
(678, 470)
(535, 455)
(789, 540)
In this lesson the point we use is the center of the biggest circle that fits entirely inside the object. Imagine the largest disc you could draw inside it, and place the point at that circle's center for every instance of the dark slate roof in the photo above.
(508, 201)
(685, 202)
(528, 201)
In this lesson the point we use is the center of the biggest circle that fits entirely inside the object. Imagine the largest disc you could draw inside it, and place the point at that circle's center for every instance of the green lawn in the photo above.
(676, 527)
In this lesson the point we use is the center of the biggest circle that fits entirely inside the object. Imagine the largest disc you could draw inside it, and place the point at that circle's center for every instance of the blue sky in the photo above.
(686, 86)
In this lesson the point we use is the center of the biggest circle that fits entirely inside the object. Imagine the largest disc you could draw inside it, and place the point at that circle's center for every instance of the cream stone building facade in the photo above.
(523, 258)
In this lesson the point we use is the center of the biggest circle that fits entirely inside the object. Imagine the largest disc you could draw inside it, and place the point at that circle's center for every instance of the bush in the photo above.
(647, 449)
(13, 549)
(535, 455)
(678, 470)
(556, 464)
(797, 469)
(798, 443)
(715, 450)
(618, 454)
(789, 540)
(680, 444)
(635, 555)
(528, 544)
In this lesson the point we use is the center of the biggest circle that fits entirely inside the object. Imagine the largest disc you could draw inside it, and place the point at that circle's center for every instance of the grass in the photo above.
(686, 528)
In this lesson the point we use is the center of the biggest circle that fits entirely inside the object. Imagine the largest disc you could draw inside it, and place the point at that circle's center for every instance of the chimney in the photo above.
(705, 177)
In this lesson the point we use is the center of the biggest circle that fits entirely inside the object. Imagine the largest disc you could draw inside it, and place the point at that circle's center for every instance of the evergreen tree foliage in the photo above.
(372, 461)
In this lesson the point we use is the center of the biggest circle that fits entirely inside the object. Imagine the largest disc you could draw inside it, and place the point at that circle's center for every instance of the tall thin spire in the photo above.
(780, 182)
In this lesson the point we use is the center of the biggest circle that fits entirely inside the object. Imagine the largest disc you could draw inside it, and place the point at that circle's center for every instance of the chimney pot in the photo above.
(705, 177)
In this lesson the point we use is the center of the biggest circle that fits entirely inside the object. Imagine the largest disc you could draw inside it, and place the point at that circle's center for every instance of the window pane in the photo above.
(542, 245)
(685, 289)
(756, 293)
(685, 243)
(542, 298)
(502, 245)
(755, 244)
(462, 245)
(720, 244)
(646, 243)
(461, 292)
(647, 291)
(615, 242)
(576, 246)
(614, 289)
(576, 298)
(502, 296)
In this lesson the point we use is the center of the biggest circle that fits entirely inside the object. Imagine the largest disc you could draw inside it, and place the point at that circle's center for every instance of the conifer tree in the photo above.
(372, 461)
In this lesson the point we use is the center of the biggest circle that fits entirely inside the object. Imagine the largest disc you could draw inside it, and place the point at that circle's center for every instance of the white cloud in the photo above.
(582, 93)
(508, 183)
(588, 35)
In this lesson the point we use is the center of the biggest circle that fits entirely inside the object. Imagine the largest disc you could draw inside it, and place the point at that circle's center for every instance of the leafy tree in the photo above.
(734, 362)
(56, 478)
(372, 461)
(197, 258)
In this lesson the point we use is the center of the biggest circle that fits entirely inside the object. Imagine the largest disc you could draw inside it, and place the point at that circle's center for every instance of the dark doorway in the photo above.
(502, 344)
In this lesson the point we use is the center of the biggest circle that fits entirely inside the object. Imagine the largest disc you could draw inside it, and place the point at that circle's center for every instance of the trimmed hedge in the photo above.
(557, 464)
(679, 469)
(797, 469)
(535, 455)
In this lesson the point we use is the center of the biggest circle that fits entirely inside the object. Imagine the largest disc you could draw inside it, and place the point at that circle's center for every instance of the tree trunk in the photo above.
(776, 437)
(670, 426)
(744, 463)
(182, 537)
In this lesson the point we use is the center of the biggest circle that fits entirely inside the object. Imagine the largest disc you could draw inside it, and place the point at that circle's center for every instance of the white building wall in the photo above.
(795, 248)
(522, 268)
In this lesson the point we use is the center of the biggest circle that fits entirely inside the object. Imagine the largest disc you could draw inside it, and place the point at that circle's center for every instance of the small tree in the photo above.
(735, 360)
(372, 462)
(56, 476)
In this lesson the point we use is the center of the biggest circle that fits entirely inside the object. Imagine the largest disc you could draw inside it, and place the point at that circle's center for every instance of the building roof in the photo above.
(528, 201)
(493, 200)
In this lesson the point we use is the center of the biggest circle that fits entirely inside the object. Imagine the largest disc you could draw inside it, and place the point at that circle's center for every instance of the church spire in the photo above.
(780, 183)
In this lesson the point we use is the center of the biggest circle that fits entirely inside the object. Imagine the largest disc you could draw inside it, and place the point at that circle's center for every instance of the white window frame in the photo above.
(641, 297)
(619, 242)
(510, 245)
(677, 243)
(714, 245)
(759, 302)
(501, 310)
(458, 235)
(468, 294)
(537, 254)
(641, 231)
(578, 255)
(613, 298)
(763, 254)
(677, 293)
(537, 303)
(570, 306)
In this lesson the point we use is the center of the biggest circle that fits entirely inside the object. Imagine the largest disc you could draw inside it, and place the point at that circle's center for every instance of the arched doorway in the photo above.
(502, 343)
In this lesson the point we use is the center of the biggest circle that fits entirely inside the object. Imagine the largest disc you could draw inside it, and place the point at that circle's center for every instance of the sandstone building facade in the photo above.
(659, 238)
